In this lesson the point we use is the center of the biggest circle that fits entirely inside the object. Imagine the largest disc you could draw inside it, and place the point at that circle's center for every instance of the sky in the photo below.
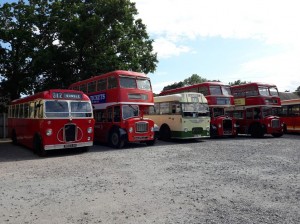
(226, 40)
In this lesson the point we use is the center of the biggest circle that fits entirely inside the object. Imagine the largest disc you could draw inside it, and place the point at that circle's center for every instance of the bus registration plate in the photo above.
(70, 146)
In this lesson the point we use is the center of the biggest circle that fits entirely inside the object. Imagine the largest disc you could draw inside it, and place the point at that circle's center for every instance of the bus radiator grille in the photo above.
(227, 126)
(141, 127)
(70, 132)
(197, 131)
(275, 123)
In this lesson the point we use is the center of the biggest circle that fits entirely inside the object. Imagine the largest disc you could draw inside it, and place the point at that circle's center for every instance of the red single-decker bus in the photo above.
(290, 115)
(256, 110)
(219, 97)
(120, 99)
(52, 119)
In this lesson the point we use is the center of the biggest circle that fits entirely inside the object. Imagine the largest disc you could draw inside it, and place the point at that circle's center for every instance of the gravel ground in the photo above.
(241, 180)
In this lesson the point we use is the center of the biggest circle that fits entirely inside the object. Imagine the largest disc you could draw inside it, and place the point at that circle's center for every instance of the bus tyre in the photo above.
(14, 137)
(151, 142)
(277, 135)
(38, 146)
(115, 139)
(165, 132)
(85, 149)
(257, 131)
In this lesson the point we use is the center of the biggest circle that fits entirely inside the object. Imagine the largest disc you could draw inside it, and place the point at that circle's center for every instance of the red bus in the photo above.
(256, 109)
(120, 99)
(290, 114)
(219, 97)
(53, 119)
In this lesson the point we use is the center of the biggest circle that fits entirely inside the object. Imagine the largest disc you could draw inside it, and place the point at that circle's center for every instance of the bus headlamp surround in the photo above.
(49, 132)
(90, 130)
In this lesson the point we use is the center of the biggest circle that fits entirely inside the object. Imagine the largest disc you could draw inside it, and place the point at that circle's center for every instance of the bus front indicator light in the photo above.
(49, 132)
(130, 130)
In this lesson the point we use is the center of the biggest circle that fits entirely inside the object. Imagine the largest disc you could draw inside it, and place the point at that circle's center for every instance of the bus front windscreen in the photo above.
(56, 108)
(80, 109)
(144, 84)
(194, 109)
(129, 111)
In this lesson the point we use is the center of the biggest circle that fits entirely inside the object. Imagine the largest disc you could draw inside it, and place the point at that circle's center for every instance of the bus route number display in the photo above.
(60, 95)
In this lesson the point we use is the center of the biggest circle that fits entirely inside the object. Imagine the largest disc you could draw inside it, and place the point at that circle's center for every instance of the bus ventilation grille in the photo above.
(197, 131)
(70, 132)
(141, 127)
(275, 123)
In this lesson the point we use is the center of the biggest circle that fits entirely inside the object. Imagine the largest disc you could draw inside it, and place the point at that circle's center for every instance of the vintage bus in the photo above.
(182, 115)
(52, 119)
(256, 109)
(218, 97)
(120, 99)
(290, 115)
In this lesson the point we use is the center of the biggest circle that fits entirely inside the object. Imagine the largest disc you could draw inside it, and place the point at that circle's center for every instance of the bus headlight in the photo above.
(49, 132)
(219, 125)
(130, 130)
(185, 130)
(90, 130)
(152, 129)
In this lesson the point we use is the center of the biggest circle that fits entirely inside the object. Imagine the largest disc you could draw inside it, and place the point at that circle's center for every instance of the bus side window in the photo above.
(26, 110)
(31, 110)
(112, 82)
(249, 113)
(109, 114)
(117, 114)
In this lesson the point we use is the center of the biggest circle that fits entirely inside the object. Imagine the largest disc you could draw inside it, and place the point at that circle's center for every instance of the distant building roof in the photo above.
(288, 96)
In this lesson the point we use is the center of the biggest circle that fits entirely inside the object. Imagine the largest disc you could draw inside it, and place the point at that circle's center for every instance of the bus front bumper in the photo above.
(69, 145)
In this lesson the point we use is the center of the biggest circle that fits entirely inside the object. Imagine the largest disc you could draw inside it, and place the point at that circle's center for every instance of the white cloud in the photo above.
(281, 69)
(167, 48)
(268, 20)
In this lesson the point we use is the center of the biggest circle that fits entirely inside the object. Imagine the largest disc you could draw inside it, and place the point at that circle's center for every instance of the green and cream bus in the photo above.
(182, 116)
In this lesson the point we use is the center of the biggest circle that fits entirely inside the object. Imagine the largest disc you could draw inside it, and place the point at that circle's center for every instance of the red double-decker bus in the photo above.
(256, 109)
(219, 97)
(119, 99)
(53, 119)
(290, 115)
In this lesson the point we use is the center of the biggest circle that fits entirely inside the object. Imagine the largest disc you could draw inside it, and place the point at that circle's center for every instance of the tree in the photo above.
(297, 91)
(237, 82)
(65, 41)
(193, 79)
(173, 86)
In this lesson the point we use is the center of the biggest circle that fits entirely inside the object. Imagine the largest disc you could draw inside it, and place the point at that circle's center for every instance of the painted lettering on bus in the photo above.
(60, 95)
(98, 98)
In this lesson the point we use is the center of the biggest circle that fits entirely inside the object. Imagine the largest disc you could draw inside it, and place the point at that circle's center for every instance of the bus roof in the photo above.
(290, 102)
(254, 84)
(179, 97)
(47, 94)
(170, 91)
(116, 72)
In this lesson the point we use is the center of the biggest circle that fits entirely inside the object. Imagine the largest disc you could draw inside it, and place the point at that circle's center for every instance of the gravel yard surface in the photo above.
(241, 180)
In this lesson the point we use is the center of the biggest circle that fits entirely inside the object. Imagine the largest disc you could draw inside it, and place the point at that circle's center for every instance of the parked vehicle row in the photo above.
(119, 108)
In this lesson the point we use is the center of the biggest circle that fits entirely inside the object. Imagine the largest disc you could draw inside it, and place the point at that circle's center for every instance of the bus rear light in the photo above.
(49, 132)
(90, 130)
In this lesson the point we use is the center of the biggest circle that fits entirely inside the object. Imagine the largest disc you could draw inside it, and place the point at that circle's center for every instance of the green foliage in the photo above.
(297, 91)
(50, 44)
(237, 82)
(194, 79)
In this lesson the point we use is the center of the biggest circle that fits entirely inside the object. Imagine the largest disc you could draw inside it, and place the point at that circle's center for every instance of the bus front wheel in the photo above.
(38, 147)
(115, 139)
(14, 138)
(165, 133)
(257, 131)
